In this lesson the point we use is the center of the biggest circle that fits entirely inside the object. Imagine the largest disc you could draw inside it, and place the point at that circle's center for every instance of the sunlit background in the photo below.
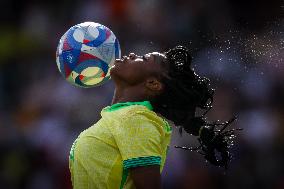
(238, 44)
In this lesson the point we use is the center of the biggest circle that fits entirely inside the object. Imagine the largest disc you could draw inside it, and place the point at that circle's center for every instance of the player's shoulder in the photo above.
(137, 115)
(143, 115)
(139, 111)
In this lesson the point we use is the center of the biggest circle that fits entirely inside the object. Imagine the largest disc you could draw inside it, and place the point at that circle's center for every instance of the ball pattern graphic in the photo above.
(85, 54)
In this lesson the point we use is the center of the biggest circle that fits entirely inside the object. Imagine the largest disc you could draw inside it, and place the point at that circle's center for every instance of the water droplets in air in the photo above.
(239, 56)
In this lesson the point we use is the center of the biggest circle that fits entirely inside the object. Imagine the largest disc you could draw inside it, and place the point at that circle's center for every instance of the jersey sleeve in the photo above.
(139, 141)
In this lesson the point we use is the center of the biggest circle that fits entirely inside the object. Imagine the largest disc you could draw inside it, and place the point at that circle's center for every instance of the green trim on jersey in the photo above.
(141, 161)
(71, 155)
(136, 162)
(124, 178)
(118, 106)
(168, 127)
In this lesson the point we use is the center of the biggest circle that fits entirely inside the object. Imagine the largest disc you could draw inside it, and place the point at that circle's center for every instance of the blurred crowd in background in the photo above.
(238, 44)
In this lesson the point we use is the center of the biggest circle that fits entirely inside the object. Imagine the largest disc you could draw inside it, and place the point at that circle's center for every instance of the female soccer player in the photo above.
(127, 147)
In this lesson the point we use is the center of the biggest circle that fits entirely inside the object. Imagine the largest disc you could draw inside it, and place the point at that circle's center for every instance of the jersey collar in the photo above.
(118, 106)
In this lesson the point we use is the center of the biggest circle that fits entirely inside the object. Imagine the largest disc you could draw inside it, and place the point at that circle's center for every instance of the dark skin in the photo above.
(136, 79)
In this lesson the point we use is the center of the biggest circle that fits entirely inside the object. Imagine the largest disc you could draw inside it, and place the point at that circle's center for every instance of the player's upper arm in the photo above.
(147, 177)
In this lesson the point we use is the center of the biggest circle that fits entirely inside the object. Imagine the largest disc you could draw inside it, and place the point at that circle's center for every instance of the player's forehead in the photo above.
(155, 57)
(158, 61)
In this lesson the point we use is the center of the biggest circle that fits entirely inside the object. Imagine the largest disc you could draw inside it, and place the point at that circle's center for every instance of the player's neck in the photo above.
(129, 94)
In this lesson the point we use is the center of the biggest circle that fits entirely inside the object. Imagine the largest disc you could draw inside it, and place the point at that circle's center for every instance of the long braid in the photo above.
(184, 92)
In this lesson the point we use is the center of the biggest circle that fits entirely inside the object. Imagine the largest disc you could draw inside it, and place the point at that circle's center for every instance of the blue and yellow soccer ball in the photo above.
(85, 54)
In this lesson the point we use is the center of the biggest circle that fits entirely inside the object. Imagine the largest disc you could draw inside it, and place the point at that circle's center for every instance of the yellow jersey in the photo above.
(127, 135)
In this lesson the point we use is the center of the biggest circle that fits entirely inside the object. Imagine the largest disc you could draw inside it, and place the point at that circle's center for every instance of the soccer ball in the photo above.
(85, 54)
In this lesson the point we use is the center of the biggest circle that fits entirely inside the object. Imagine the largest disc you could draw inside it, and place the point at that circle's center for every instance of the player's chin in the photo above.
(115, 68)
(115, 75)
(114, 71)
(118, 71)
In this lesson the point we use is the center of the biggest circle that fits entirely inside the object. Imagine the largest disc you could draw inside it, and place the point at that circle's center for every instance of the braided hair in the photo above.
(184, 92)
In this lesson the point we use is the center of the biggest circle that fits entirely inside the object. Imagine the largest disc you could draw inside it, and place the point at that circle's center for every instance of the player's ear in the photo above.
(153, 84)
